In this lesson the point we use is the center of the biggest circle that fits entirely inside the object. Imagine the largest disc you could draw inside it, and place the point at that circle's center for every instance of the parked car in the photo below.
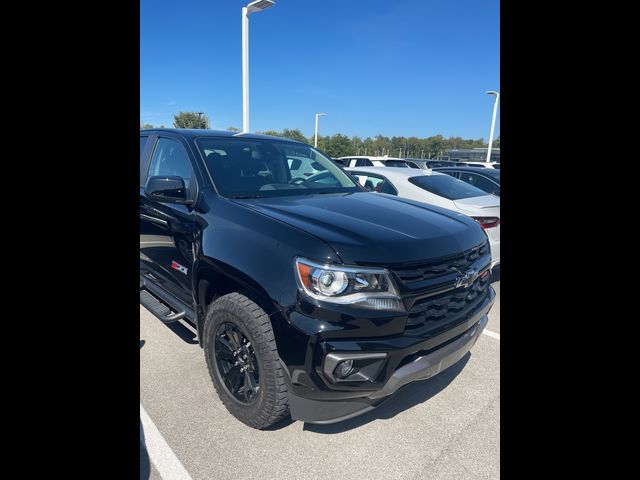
(480, 164)
(438, 189)
(309, 295)
(426, 164)
(364, 161)
(487, 179)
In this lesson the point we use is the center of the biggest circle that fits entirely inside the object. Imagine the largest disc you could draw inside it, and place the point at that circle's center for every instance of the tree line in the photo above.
(340, 145)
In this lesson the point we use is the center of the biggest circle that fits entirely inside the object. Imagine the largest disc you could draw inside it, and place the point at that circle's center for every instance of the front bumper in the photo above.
(426, 359)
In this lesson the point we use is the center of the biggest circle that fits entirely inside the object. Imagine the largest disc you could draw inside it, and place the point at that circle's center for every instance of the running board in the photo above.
(159, 309)
(162, 304)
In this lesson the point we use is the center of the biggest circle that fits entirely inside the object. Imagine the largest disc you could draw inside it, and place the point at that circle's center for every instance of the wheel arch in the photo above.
(214, 279)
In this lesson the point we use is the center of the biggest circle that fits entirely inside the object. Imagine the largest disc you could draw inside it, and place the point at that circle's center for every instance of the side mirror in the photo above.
(167, 190)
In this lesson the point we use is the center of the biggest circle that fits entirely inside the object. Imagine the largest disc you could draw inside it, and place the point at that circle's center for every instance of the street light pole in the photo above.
(493, 122)
(315, 142)
(255, 6)
(200, 115)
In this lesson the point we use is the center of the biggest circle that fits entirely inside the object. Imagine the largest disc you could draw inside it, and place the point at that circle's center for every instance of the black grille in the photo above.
(453, 264)
(441, 312)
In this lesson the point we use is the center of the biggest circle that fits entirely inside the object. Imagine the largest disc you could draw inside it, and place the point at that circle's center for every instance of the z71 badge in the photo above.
(176, 266)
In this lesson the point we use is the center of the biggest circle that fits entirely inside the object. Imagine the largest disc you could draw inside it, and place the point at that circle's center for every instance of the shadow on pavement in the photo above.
(145, 466)
(183, 332)
(406, 398)
(495, 274)
(285, 422)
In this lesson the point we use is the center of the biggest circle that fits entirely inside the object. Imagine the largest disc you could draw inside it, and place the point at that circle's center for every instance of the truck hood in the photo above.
(372, 228)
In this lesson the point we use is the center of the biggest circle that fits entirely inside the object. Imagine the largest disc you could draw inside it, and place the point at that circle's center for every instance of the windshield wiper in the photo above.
(241, 197)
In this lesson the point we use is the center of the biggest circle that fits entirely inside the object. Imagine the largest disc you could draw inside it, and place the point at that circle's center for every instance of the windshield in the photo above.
(446, 186)
(251, 168)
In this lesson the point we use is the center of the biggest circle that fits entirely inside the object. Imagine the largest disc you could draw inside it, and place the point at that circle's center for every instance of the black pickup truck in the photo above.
(310, 296)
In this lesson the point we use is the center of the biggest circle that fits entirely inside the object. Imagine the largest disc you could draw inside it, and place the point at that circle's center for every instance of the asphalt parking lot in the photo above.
(443, 428)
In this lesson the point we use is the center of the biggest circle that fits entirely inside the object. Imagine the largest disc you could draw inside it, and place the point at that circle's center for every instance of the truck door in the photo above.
(166, 229)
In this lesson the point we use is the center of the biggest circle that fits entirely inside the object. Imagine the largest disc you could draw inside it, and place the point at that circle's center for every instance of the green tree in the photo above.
(435, 146)
(338, 145)
(323, 142)
(146, 125)
(190, 120)
(273, 133)
(233, 129)
(295, 134)
(367, 146)
(380, 146)
(357, 145)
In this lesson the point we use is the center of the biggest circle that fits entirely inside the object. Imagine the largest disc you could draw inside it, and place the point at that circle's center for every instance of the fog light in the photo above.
(344, 369)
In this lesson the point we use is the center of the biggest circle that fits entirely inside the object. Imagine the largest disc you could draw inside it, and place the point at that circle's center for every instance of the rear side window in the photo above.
(396, 163)
(446, 186)
(435, 164)
(363, 162)
(479, 181)
(170, 160)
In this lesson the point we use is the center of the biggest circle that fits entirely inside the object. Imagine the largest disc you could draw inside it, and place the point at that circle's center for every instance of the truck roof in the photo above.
(196, 132)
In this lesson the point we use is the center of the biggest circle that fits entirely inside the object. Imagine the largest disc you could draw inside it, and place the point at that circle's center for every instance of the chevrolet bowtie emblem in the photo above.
(467, 278)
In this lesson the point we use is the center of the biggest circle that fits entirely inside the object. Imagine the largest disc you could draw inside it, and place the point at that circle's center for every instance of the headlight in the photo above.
(361, 287)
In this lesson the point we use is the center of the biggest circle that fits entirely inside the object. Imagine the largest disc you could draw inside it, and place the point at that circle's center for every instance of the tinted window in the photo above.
(497, 166)
(363, 162)
(453, 174)
(446, 186)
(267, 168)
(396, 163)
(413, 165)
(170, 160)
(437, 164)
(143, 143)
(479, 181)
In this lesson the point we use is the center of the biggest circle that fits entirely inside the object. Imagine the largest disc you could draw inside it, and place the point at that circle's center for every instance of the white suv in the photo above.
(368, 161)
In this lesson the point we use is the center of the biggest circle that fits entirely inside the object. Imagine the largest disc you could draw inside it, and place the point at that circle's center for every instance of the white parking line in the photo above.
(160, 453)
(491, 334)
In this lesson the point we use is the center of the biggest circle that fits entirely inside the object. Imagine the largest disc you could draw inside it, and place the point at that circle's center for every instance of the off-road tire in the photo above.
(271, 404)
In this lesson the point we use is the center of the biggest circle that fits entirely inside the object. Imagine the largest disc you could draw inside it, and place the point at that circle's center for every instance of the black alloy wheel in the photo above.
(236, 362)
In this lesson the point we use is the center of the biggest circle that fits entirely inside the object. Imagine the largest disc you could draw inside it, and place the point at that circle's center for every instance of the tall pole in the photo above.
(245, 70)
(315, 136)
(315, 142)
(493, 123)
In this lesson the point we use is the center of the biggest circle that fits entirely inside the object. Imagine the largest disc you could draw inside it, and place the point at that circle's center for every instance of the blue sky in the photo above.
(404, 67)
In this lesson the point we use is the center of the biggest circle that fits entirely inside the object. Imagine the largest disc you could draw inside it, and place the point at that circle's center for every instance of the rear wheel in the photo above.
(243, 361)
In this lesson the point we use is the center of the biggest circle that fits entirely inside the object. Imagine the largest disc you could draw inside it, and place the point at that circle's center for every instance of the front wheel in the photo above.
(243, 362)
